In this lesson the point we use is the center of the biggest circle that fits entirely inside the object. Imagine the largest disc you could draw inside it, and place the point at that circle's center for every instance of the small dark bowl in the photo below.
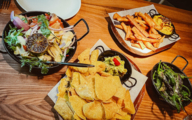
(173, 36)
(186, 81)
(111, 53)
(55, 67)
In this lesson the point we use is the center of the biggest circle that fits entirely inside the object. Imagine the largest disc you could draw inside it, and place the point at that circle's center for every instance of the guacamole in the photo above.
(161, 20)
(115, 66)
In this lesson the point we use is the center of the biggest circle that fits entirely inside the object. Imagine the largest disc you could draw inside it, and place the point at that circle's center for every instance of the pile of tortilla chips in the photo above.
(90, 93)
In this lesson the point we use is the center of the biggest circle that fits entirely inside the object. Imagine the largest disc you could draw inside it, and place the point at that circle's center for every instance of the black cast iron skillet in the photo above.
(55, 67)
(186, 81)
(173, 36)
(111, 53)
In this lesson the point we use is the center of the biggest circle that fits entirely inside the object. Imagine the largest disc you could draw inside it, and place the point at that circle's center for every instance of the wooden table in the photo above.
(23, 95)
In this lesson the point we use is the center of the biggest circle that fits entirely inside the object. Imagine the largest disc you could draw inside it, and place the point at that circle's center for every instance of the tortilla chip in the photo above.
(84, 92)
(120, 103)
(93, 60)
(120, 92)
(119, 117)
(122, 113)
(100, 66)
(76, 117)
(129, 107)
(63, 109)
(110, 110)
(82, 80)
(62, 87)
(75, 79)
(104, 74)
(91, 85)
(77, 104)
(105, 87)
(68, 72)
(93, 110)
(84, 56)
(71, 92)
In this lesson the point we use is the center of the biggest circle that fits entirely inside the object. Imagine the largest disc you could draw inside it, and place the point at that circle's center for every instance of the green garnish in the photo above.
(35, 62)
(170, 85)
(44, 25)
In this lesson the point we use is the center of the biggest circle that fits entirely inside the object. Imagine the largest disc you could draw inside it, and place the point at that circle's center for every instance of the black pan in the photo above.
(55, 67)
(186, 81)
(173, 36)
(111, 53)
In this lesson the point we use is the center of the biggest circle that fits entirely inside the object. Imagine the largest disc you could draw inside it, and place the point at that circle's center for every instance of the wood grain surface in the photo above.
(23, 95)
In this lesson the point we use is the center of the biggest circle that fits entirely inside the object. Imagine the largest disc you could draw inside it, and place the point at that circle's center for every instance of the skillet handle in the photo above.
(2, 51)
(152, 12)
(173, 37)
(183, 58)
(86, 26)
(101, 48)
(131, 83)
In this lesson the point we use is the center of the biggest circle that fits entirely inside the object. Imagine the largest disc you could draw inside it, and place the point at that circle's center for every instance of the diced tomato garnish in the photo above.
(47, 16)
(67, 55)
(25, 47)
(117, 63)
(34, 20)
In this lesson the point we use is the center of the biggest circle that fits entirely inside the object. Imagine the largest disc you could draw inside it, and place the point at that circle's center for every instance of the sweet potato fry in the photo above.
(124, 26)
(119, 26)
(115, 16)
(137, 26)
(136, 45)
(149, 46)
(147, 39)
(122, 19)
(128, 33)
(141, 45)
(158, 43)
(152, 30)
(155, 36)
(148, 21)
(157, 27)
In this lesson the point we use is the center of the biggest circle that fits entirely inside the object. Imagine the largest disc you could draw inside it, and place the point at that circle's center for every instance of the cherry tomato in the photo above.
(117, 63)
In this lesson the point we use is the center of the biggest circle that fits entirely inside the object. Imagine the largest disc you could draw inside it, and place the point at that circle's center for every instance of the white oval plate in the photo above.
(63, 8)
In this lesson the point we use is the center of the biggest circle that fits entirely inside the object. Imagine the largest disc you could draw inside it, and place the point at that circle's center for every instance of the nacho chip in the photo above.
(62, 87)
(77, 104)
(129, 107)
(104, 74)
(105, 87)
(91, 85)
(120, 92)
(76, 117)
(84, 92)
(120, 103)
(93, 110)
(93, 61)
(110, 109)
(75, 79)
(68, 72)
(62, 108)
(119, 117)
(84, 56)
(82, 80)
(100, 66)
(71, 92)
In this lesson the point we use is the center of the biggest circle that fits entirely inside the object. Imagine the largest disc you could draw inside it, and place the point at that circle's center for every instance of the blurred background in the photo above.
(182, 4)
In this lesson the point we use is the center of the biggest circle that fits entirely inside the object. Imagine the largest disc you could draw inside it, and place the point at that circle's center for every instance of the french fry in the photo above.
(141, 45)
(138, 26)
(152, 30)
(158, 43)
(157, 27)
(119, 26)
(148, 21)
(135, 45)
(128, 33)
(115, 16)
(144, 39)
(124, 26)
(122, 19)
(149, 46)
(155, 36)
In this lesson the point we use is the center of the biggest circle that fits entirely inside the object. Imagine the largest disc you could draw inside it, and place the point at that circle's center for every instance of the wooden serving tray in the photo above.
(122, 42)
(139, 98)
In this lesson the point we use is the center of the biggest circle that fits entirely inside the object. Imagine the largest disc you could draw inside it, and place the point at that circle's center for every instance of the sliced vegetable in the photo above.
(116, 62)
